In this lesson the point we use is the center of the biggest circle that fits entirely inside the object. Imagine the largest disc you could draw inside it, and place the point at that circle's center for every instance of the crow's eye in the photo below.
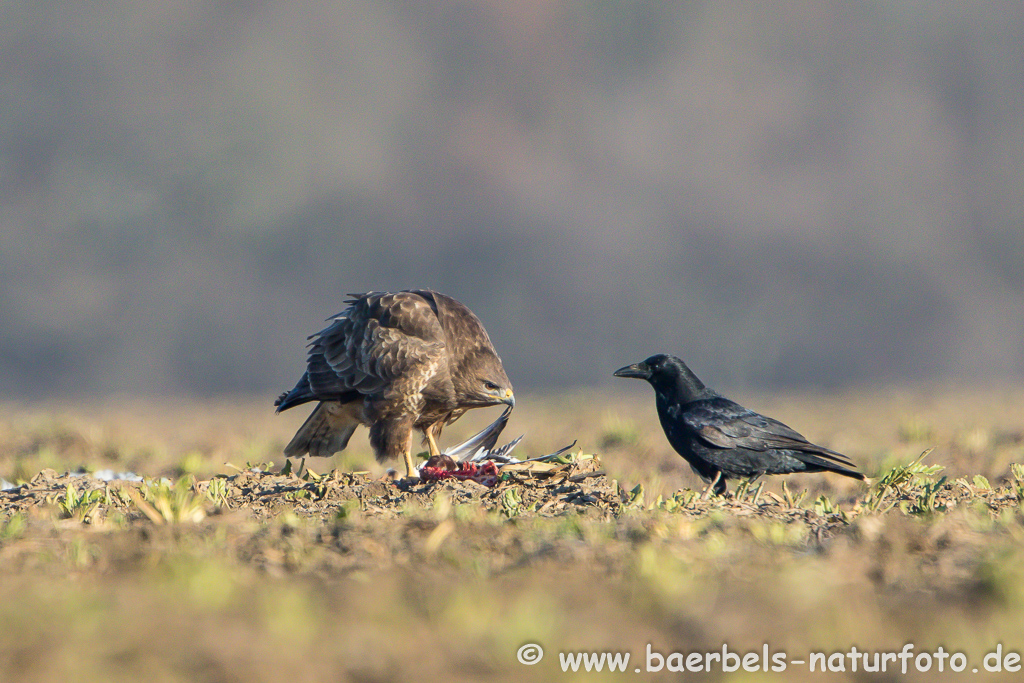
(490, 386)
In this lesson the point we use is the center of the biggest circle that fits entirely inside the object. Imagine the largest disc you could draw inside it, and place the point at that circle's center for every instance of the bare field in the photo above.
(218, 567)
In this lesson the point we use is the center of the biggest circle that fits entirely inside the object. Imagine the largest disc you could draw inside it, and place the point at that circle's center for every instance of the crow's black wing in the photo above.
(723, 423)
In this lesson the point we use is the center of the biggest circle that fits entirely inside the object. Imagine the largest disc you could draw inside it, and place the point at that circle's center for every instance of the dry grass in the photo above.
(223, 576)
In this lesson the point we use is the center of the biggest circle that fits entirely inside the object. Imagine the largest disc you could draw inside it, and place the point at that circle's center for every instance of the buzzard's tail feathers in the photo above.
(324, 433)
(302, 393)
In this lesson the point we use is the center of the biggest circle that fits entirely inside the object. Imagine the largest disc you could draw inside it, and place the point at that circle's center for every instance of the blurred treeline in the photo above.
(788, 193)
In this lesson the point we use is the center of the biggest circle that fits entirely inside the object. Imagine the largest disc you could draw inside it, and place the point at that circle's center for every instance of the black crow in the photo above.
(720, 438)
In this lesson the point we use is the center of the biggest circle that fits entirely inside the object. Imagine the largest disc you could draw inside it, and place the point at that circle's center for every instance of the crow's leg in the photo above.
(743, 489)
(718, 484)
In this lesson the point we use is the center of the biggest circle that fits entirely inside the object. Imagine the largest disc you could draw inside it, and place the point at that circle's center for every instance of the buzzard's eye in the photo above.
(490, 386)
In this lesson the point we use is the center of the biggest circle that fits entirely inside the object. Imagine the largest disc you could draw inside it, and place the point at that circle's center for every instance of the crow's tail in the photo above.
(829, 461)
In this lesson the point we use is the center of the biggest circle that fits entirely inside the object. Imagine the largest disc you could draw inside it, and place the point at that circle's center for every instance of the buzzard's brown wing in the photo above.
(377, 341)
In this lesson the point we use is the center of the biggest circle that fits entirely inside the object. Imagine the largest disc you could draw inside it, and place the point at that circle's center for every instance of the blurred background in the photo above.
(793, 194)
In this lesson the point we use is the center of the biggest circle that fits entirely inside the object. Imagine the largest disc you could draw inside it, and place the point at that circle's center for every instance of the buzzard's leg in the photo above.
(410, 468)
(432, 440)
(391, 437)
(406, 445)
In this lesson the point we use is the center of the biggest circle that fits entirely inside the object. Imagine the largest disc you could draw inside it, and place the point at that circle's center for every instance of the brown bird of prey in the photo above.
(394, 362)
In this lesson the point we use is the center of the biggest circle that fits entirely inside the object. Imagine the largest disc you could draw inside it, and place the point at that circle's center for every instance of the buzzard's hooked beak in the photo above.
(637, 370)
(510, 399)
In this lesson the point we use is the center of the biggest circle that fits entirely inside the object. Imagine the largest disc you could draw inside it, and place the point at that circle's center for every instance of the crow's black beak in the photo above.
(637, 370)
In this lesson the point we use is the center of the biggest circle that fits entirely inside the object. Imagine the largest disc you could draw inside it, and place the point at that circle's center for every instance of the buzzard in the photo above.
(720, 438)
(394, 362)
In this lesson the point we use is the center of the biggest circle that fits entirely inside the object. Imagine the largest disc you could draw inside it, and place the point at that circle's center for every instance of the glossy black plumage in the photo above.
(719, 436)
